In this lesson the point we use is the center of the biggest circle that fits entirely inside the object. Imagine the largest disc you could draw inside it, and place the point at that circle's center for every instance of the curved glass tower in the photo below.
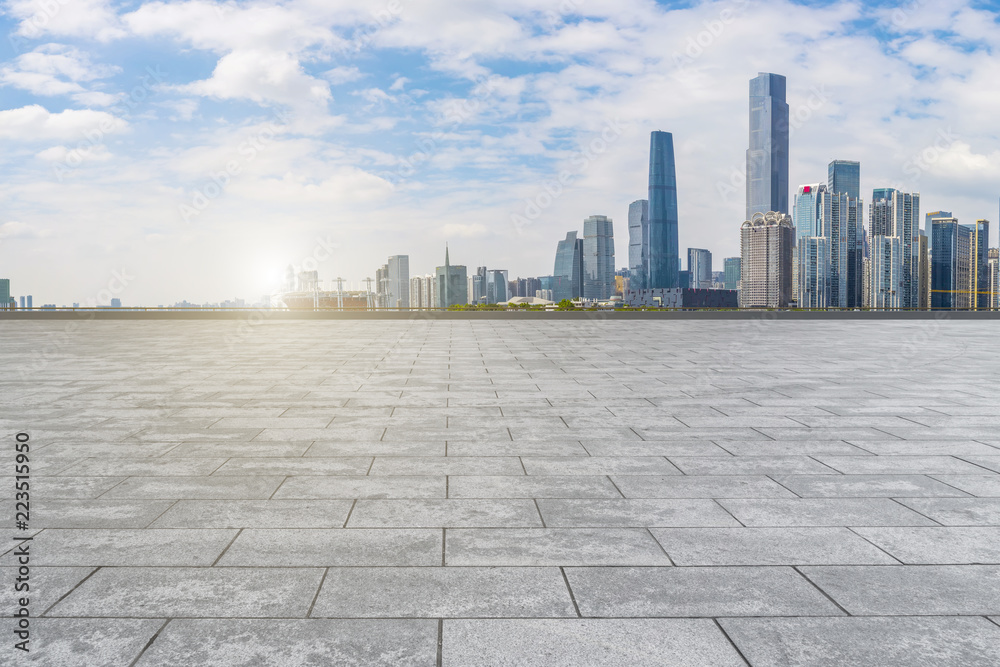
(664, 253)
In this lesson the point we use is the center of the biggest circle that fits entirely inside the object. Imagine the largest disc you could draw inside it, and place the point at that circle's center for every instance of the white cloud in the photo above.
(93, 19)
(19, 230)
(56, 69)
(36, 123)
(340, 75)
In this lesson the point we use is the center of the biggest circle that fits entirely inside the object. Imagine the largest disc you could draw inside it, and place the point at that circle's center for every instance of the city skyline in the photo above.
(337, 127)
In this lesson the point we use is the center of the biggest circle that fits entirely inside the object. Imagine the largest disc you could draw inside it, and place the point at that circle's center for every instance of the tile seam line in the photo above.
(319, 589)
(150, 642)
(824, 593)
(731, 641)
(235, 537)
(67, 593)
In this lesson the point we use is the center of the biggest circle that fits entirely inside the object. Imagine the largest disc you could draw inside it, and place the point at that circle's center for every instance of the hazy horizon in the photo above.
(201, 147)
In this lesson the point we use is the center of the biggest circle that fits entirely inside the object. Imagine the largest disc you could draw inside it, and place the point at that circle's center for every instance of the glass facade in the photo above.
(399, 281)
(700, 268)
(732, 266)
(982, 264)
(664, 248)
(598, 257)
(638, 243)
(806, 212)
(895, 213)
(567, 275)
(845, 178)
(767, 157)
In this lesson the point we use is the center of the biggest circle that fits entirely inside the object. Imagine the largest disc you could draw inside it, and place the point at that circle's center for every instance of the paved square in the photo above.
(490, 492)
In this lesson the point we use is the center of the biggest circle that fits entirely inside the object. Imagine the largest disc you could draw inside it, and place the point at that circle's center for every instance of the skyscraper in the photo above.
(981, 262)
(887, 280)
(767, 157)
(567, 275)
(732, 266)
(845, 178)
(897, 214)
(399, 281)
(664, 248)
(6, 301)
(700, 266)
(638, 244)
(766, 244)
(993, 262)
(598, 257)
(812, 254)
(952, 265)
(840, 223)
(452, 283)
(806, 212)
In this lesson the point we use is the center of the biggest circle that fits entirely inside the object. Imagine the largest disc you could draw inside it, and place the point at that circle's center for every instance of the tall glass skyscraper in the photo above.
(806, 213)
(638, 244)
(567, 276)
(700, 268)
(732, 266)
(897, 214)
(845, 178)
(664, 248)
(399, 281)
(767, 157)
(598, 257)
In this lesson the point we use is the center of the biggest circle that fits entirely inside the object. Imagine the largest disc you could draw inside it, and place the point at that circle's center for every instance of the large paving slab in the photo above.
(589, 492)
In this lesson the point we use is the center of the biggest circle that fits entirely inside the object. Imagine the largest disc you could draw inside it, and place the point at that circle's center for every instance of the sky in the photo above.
(161, 151)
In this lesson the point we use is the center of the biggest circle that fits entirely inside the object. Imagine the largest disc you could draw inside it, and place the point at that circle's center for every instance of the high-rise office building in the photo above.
(700, 266)
(496, 286)
(952, 265)
(981, 264)
(929, 222)
(567, 275)
(766, 244)
(925, 272)
(638, 243)
(840, 222)
(452, 283)
(806, 210)
(598, 257)
(664, 247)
(886, 282)
(6, 301)
(767, 156)
(732, 271)
(845, 178)
(812, 254)
(398, 291)
(477, 286)
(897, 214)
(417, 293)
(993, 261)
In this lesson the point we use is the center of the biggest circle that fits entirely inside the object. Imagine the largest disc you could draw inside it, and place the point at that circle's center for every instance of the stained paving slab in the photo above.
(588, 492)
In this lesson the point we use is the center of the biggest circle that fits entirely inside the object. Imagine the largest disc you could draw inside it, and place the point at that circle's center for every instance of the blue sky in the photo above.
(202, 146)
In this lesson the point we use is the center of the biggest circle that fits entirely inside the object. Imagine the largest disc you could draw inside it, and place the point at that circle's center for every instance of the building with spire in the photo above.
(452, 283)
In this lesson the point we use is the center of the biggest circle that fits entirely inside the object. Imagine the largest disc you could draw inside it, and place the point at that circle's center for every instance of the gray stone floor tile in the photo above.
(541, 448)
(637, 513)
(218, 592)
(145, 467)
(637, 592)
(653, 448)
(242, 449)
(768, 546)
(193, 488)
(709, 486)
(46, 586)
(938, 546)
(983, 486)
(126, 547)
(793, 448)
(586, 643)
(598, 465)
(375, 448)
(464, 513)
(552, 546)
(911, 590)
(900, 465)
(958, 511)
(751, 465)
(65, 488)
(823, 512)
(867, 486)
(334, 548)
(458, 465)
(533, 486)
(86, 642)
(295, 466)
(988, 462)
(305, 643)
(862, 642)
(89, 513)
(255, 514)
(925, 448)
(443, 592)
(313, 487)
